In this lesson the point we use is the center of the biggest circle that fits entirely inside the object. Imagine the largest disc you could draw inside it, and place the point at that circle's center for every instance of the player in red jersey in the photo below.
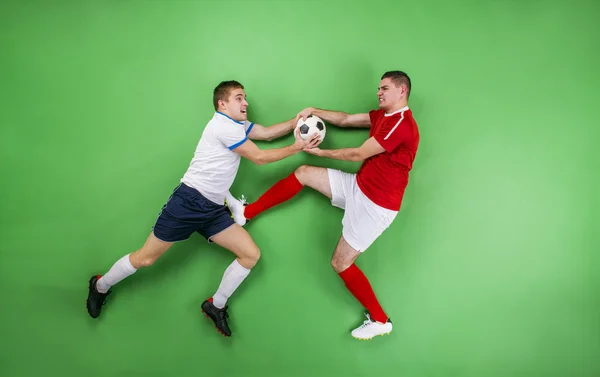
(371, 198)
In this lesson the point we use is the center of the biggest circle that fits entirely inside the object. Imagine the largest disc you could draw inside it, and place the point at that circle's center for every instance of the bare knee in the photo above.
(250, 257)
(139, 260)
(302, 173)
(343, 256)
(340, 264)
(149, 253)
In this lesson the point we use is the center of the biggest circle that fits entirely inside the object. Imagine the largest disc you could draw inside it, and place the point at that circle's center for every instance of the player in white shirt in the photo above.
(198, 202)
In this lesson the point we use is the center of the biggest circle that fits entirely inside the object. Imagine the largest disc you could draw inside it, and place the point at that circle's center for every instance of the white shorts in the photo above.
(363, 220)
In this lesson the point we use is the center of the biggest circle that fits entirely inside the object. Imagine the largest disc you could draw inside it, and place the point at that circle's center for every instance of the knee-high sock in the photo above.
(232, 278)
(119, 271)
(358, 284)
(281, 191)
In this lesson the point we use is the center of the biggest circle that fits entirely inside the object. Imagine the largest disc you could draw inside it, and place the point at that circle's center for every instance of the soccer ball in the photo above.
(311, 125)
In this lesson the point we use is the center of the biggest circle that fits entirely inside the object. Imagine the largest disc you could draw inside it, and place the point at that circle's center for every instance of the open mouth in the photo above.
(243, 111)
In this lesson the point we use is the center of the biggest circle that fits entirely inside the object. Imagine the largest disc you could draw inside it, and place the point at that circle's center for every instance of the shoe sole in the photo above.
(386, 333)
(218, 330)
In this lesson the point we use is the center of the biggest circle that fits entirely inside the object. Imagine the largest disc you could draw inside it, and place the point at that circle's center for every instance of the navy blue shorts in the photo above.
(186, 212)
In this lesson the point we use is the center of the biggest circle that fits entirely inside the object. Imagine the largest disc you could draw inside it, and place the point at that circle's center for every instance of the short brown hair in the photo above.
(222, 90)
(398, 78)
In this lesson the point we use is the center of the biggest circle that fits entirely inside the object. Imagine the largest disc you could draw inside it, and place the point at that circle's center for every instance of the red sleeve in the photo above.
(392, 132)
(374, 115)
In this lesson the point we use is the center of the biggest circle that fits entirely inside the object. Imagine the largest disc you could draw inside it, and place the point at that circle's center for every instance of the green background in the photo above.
(489, 270)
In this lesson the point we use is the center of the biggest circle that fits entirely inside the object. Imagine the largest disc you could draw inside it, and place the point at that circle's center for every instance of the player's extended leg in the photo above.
(237, 240)
(285, 189)
(99, 285)
(178, 219)
(377, 322)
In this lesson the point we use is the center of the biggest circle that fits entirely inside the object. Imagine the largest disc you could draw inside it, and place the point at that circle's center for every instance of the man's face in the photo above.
(236, 105)
(389, 94)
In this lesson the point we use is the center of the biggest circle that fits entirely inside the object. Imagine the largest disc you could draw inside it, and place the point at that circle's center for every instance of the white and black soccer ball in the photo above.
(311, 125)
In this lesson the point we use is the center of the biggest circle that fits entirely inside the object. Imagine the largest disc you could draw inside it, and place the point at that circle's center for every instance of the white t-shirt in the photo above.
(214, 165)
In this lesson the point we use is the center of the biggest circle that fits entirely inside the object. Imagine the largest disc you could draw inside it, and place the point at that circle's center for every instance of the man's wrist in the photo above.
(296, 148)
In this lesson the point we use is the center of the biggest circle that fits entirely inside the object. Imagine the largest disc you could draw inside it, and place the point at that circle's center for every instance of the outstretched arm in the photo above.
(251, 151)
(369, 148)
(269, 133)
(337, 118)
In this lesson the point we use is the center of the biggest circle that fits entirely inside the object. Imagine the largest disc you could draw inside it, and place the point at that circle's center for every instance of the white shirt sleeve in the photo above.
(231, 135)
(248, 126)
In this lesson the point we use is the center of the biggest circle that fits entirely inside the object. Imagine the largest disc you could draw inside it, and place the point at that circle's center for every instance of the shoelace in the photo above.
(102, 297)
(243, 200)
(367, 322)
(223, 313)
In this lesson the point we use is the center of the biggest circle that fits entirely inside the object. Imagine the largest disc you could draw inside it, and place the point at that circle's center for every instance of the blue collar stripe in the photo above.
(226, 116)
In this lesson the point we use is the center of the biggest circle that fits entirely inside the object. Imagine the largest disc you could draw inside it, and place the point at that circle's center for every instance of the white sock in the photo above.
(117, 272)
(232, 278)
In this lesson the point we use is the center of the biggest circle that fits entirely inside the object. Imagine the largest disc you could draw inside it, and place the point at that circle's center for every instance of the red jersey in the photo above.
(383, 177)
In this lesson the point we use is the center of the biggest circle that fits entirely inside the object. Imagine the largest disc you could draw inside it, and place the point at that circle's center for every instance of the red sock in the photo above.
(358, 284)
(281, 191)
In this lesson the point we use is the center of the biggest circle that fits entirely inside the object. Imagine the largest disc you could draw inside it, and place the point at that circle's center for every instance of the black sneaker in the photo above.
(95, 299)
(219, 316)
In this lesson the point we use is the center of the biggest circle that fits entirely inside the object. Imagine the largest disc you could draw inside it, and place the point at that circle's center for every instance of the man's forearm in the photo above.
(334, 117)
(271, 155)
(344, 154)
(280, 129)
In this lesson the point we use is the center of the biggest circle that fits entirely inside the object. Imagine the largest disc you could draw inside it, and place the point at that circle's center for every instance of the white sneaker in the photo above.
(370, 329)
(236, 206)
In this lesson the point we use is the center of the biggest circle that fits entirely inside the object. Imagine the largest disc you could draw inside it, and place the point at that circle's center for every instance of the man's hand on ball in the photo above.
(304, 113)
(301, 144)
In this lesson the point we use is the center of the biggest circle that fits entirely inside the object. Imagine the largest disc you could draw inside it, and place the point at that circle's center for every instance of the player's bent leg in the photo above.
(377, 322)
(237, 240)
(99, 286)
(283, 190)
(314, 177)
(153, 249)
(344, 256)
